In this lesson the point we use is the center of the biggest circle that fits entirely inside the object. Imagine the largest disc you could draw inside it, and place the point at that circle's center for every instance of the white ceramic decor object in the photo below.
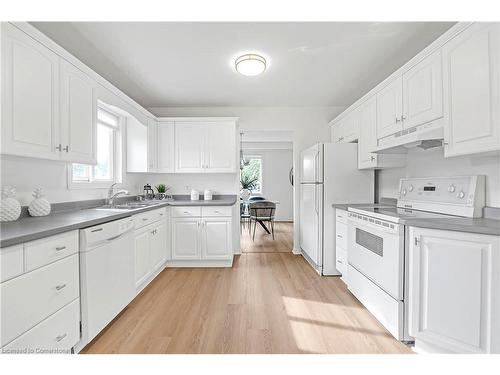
(10, 208)
(39, 206)
(195, 195)
(208, 195)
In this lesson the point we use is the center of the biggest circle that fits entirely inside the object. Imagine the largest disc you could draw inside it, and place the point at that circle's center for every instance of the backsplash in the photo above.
(431, 163)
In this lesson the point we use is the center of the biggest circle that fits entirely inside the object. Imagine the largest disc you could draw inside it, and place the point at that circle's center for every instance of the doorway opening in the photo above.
(266, 191)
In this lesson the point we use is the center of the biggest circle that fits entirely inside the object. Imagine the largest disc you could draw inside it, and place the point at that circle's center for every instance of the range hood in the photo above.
(425, 136)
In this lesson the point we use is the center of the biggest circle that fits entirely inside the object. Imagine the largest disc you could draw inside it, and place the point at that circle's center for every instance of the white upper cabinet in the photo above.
(367, 134)
(78, 111)
(337, 130)
(189, 147)
(423, 92)
(137, 146)
(152, 145)
(389, 108)
(30, 101)
(220, 150)
(347, 129)
(471, 87)
(205, 146)
(165, 147)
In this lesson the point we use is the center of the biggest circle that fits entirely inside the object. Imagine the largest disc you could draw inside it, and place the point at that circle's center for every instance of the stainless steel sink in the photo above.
(126, 206)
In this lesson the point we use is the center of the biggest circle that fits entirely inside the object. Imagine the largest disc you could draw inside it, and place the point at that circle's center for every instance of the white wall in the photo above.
(308, 124)
(276, 164)
(429, 163)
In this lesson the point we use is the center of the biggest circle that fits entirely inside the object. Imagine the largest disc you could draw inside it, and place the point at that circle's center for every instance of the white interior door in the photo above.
(423, 92)
(311, 165)
(389, 108)
(310, 221)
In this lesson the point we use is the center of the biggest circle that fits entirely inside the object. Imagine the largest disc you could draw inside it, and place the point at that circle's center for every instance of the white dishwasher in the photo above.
(107, 274)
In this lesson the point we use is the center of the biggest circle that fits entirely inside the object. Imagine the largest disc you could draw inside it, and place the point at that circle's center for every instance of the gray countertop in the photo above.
(32, 228)
(483, 225)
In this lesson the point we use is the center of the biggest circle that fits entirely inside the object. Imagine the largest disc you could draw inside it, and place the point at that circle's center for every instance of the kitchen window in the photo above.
(107, 170)
(252, 171)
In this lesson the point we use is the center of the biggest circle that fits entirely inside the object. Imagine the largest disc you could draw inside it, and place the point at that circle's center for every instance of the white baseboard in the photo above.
(200, 263)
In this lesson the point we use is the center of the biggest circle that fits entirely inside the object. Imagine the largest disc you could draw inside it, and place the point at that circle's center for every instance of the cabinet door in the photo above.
(220, 153)
(30, 96)
(152, 145)
(142, 255)
(389, 108)
(350, 128)
(454, 290)
(189, 147)
(158, 245)
(216, 234)
(423, 92)
(367, 134)
(338, 132)
(186, 239)
(471, 88)
(165, 145)
(78, 115)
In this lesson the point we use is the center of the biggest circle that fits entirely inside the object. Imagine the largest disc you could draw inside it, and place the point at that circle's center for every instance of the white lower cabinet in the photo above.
(203, 240)
(150, 244)
(40, 304)
(454, 291)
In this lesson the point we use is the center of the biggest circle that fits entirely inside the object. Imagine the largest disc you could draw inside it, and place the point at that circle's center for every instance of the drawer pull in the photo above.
(144, 219)
(186, 212)
(217, 212)
(339, 261)
(61, 337)
(96, 230)
(60, 287)
(59, 248)
(339, 236)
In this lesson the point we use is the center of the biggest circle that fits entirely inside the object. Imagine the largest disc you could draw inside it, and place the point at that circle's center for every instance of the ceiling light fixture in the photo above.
(250, 64)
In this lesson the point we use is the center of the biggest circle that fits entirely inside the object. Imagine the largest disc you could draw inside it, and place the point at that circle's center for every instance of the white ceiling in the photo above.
(189, 64)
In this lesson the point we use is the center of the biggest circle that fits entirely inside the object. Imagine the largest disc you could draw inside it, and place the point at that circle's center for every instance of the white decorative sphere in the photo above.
(39, 207)
(10, 209)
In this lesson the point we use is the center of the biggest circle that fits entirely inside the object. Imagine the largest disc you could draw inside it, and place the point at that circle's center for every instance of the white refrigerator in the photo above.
(329, 174)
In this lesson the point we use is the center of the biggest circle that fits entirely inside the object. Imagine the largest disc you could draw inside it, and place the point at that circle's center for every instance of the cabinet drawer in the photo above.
(47, 250)
(341, 216)
(216, 211)
(32, 297)
(341, 235)
(186, 211)
(11, 262)
(56, 334)
(148, 217)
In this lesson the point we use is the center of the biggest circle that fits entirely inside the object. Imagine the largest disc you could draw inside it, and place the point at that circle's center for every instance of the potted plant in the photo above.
(162, 190)
(247, 183)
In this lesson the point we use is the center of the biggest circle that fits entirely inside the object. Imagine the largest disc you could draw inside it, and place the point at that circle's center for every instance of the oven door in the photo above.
(376, 249)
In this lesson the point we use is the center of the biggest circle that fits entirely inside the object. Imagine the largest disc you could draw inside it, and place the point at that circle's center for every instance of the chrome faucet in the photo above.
(112, 196)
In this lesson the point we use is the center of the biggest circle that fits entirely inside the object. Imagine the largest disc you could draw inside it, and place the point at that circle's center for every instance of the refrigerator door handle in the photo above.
(316, 199)
(316, 166)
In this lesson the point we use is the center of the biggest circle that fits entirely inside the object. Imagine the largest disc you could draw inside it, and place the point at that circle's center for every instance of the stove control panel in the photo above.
(462, 196)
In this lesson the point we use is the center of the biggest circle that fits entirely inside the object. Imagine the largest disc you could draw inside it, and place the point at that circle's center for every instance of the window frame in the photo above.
(116, 156)
(260, 157)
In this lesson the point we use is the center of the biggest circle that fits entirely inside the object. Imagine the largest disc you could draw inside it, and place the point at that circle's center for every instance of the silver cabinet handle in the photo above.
(96, 230)
(60, 287)
(339, 236)
(397, 120)
(372, 158)
(144, 219)
(217, 212)
(59, 248)
(403, 118)
(339, 261)
(66, 148)
(58, 147)
(186, 212)
(60, 337)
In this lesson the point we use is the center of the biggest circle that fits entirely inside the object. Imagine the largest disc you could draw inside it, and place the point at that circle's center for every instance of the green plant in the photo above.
(162, 188)
(248, 181)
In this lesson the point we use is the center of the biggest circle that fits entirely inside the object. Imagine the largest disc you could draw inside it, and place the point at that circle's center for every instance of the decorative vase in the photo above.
(10, 208)
(245, 194)
(160, 196)
(39, 206)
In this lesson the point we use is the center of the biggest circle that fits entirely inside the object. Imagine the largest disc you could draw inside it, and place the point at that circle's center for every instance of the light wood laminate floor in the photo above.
(264, 243)
(266, 303)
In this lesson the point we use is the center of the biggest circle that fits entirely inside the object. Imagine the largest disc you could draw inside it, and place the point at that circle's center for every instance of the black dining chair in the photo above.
(244, 216)
(262, 211)
(256, 198)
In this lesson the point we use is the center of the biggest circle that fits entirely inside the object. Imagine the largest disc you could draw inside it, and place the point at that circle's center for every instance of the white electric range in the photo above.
(378, 241)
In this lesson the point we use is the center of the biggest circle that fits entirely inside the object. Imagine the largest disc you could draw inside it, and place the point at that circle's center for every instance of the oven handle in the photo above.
(361, 223)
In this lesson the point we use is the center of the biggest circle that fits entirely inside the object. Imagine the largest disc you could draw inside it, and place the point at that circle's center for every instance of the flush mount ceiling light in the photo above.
(250, 64)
